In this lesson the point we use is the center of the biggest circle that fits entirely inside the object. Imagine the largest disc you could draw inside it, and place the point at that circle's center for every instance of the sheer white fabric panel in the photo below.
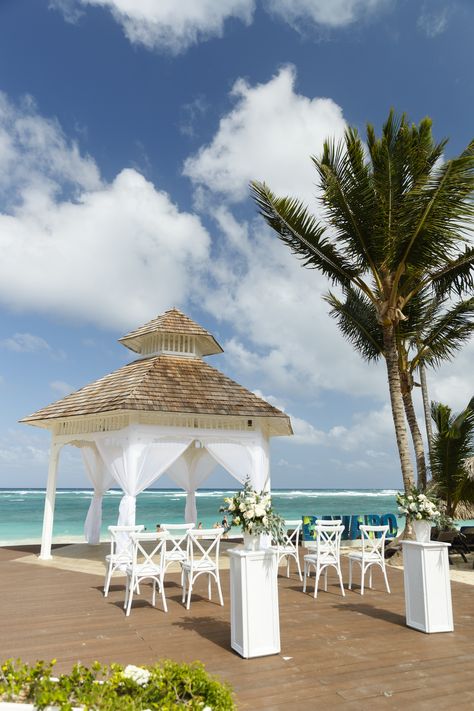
(101, 480)
(236, 458)
(136, 461)
(189, 471)
(246, 459)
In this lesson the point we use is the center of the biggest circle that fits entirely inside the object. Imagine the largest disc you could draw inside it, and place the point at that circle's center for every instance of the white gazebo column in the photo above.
(48, 517)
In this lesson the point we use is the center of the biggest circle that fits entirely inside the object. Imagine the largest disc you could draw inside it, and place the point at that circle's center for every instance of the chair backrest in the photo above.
(154, 555)
(291, 536)
(373, 540)
(328, 539)
(178, 540)
(204, 546)
(120, 542)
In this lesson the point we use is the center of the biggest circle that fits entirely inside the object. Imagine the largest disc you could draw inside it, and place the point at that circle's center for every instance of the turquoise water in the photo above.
(21, 510)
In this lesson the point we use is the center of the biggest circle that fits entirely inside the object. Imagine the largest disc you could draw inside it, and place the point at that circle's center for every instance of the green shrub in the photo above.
(167, 686)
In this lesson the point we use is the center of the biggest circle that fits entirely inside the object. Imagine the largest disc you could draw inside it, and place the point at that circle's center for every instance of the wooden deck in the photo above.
(353, 652)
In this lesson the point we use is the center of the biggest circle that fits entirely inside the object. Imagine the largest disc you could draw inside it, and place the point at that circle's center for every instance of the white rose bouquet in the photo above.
(417, 506)
(253, 512)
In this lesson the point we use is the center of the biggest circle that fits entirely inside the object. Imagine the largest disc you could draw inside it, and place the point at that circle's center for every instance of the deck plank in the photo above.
(352, 653)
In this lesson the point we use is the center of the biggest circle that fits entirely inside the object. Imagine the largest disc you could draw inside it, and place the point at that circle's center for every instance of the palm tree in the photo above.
(433, 332)
(453, 446)
(396, 224)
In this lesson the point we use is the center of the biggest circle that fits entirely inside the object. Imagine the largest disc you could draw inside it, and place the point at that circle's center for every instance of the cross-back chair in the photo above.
(373, 547)
(177, 543)
(203, 559)
(327, 554)
(121, 551)
(148, 563)
(289, 547)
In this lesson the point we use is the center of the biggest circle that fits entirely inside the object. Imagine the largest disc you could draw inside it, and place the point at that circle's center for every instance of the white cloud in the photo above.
(61, 387)
(93, 252)
(175, 25)
(330, 13)
(433, 19)
(269, 135)
(25, 343)
(167, 25)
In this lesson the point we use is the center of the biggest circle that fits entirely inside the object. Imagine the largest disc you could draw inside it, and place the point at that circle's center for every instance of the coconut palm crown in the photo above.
(396, 222)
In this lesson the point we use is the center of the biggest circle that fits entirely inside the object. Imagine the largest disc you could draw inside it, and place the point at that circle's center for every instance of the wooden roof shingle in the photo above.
(163, 383)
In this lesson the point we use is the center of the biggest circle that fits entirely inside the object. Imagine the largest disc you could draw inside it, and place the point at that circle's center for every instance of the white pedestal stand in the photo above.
(254, 615)
(427, 586)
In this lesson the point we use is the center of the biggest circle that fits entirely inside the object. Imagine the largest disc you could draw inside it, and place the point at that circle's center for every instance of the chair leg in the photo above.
(153, 595)
(107, 580)
(316, 581)
(305, 570)
(370, 577)
(219, 590)
(185, 578)
(190, 588)
(130, 596)
(385, 578)
(209, 592)
(287, 566)
(297, 558)
(162, 585)
(350, 573)
(325, 579)
(362, 576)
(340, 580)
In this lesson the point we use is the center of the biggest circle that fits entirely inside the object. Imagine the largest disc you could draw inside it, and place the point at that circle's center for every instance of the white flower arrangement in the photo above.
(137, 674)
(252, 511)
(418, 506)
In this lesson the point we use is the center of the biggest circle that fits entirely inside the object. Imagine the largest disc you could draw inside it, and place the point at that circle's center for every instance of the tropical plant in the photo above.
(167, 685)
(253, 512)
(453, 446)
(396, 225)
(432, 333)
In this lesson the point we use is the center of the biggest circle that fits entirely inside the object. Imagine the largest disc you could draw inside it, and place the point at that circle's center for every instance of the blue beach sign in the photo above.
(351, 524)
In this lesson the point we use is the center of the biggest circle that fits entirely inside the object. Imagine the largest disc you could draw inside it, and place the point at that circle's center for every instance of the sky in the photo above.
(129, 132)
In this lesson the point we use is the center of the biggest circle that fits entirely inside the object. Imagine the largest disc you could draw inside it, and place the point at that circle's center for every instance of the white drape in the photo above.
(101, 480)
(189, 471)
(246, 459)
(136, 460)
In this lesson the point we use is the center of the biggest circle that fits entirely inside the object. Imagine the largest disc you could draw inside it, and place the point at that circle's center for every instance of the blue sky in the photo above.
(129, 131)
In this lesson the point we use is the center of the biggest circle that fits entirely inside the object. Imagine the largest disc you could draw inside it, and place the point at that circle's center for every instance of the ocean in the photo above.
(21, 510)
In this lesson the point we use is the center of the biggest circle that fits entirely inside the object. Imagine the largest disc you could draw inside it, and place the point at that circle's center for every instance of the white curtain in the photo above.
(136, 460)
(246, 459)
(189, 471)
(101, 480)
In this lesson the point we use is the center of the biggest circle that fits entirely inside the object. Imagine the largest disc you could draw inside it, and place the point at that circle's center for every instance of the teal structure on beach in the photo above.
(351, 524)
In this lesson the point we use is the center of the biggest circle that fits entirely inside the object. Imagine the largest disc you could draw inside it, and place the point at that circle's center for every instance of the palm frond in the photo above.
(446, 334)
(456, 275)
(357, 320)
(305, 236)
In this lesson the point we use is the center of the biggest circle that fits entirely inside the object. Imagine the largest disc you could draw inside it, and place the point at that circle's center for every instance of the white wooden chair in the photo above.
(177, 543)
(289, 548)
(121, 551)
(373, 547)
(312, 544)
(327, 555)
(203, 559)
(147, 564)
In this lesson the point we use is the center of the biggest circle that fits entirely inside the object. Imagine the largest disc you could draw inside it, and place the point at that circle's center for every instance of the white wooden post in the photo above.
(48, 517)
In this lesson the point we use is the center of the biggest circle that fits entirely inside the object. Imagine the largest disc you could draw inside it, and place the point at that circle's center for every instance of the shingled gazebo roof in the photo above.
(164, 383)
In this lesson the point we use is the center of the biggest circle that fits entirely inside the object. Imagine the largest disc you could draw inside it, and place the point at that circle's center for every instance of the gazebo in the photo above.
(169, 411)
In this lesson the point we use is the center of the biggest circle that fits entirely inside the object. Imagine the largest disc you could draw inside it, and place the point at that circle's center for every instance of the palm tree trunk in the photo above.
(415, 433)
(398, 412)
(427, 409)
